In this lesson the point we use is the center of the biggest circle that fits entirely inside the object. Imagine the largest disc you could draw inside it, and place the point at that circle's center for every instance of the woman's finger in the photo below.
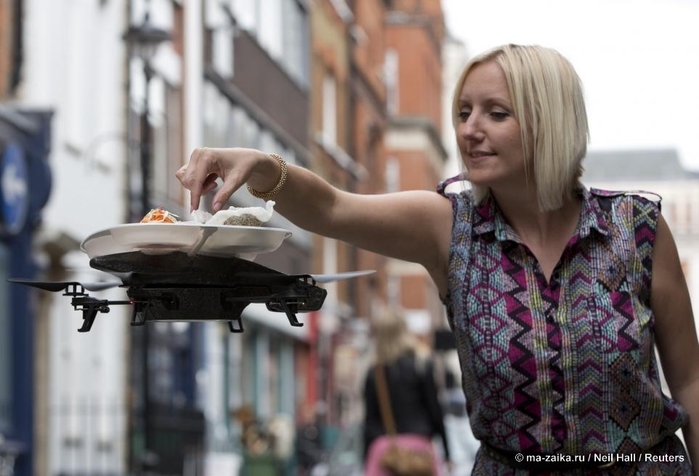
(181, 172)
(202, 164)
(230, 185)
(209, 184)
(232, 166)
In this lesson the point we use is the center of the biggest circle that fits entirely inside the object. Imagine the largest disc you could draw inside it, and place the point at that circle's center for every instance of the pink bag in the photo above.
(379, 446)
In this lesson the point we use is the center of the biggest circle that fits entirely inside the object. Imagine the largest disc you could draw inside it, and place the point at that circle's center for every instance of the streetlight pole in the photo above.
(146, 457)
(146, 141)
(144, 39)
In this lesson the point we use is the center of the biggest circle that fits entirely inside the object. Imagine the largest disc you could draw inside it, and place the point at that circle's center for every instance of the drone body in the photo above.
(177, 286)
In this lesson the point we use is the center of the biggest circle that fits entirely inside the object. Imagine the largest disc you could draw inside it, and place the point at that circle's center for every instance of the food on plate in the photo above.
(243, 216)
(245, 219)
(160, 215)
(200, 217)
(235, 216)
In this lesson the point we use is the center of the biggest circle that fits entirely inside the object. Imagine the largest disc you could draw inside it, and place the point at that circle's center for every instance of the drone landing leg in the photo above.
(290, 315)
(138, 315)
(89, 315)
(236, 325)
(234, 308)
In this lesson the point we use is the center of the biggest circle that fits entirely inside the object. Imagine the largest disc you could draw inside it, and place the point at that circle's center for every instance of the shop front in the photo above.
(25, 183)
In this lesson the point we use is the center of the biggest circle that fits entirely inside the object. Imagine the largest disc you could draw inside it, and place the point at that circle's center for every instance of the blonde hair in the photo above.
(548, 102)
(391, 336)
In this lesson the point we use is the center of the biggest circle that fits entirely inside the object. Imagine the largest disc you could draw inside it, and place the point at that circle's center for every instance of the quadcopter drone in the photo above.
(177, 286)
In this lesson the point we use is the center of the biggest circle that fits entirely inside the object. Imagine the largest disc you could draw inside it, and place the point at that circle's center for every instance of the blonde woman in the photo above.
(557, 294)
(412, 394)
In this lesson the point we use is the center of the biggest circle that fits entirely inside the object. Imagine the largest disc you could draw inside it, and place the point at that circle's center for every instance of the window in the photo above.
(248, 365)
(211, 96)
(281, 28)
(76, 121)
(394, 291)
(274, 389)
(271, 24)
(251, 134)
(219, 119)
(5, 345)
(688, 215)
(175, 132)
(222, 50)
(234, 368)
(238, 118)
(286, 377)
(267, 141)
(220, 26)
(391, 80)
(262, 355)
(392, 175)
(295, 41)
(167, 150)
(245, 12)
(329, 110)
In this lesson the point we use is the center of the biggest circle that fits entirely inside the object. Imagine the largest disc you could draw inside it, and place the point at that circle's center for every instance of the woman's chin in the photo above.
(479, 179)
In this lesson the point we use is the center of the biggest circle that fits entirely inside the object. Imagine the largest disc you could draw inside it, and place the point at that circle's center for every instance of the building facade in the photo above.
(332, 158)
(25, 182)
(25, 185)
(349, 89)
(255, 93)
(74, 65)
(415, 154)
(376, 128)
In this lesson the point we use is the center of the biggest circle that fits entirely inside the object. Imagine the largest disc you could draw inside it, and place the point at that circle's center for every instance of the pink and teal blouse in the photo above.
(566, 366)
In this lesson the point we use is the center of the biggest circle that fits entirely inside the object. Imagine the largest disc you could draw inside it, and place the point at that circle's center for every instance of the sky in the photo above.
(638, 60)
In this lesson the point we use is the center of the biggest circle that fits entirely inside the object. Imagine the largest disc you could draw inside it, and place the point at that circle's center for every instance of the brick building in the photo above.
(376, 128)
(415, 156)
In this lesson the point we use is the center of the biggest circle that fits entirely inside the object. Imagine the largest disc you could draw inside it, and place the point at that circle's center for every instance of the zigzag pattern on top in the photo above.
(565, 366)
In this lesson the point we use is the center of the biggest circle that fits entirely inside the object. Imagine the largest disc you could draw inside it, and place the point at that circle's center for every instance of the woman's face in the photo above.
(487, 132)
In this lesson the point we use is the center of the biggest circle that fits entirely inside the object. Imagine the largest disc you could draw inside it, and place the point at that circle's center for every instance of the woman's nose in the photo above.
(471, 129)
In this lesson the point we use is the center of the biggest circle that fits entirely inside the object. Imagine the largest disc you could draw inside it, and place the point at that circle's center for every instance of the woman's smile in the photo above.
(488, 134)
(478, 155)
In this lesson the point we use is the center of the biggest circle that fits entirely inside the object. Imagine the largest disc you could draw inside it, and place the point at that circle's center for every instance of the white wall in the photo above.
(74, 65)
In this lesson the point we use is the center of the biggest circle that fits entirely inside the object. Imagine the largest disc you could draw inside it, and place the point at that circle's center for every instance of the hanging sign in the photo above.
(14, 189)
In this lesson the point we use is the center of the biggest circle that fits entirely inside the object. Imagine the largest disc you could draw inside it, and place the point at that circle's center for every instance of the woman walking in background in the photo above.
(412, 395)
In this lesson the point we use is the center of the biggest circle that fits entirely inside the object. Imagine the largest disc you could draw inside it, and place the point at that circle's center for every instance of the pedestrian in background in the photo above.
(407, 370)
(309, 450)
(557, 294)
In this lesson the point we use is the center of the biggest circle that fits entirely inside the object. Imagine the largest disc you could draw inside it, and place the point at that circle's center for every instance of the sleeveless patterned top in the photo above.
(566, 366)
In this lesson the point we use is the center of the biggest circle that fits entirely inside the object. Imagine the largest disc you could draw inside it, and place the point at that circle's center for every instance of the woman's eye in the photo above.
(464, 115)
(499, 116)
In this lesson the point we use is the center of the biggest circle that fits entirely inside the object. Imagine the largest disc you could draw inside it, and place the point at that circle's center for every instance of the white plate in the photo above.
(210, 240)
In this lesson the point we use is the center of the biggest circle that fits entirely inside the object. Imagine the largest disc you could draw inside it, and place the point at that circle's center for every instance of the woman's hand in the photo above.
(234, 167)
(413, 225)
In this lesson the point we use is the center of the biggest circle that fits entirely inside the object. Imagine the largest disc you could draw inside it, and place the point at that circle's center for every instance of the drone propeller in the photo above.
(56, 286)
(318, 278)
(329, 278)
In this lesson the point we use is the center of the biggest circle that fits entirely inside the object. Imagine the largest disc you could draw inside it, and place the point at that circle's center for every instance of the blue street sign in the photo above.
(14, 189)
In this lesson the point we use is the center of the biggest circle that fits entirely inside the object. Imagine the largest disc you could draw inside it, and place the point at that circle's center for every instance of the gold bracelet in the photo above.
(280, 184)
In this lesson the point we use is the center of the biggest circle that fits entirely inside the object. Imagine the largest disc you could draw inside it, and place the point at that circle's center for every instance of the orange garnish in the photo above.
(158, 215)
